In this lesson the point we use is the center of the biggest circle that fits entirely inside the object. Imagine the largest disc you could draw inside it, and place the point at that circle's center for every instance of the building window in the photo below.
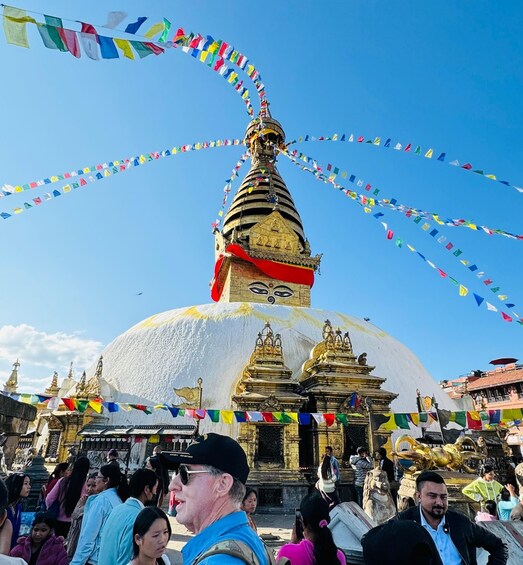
(270, 444)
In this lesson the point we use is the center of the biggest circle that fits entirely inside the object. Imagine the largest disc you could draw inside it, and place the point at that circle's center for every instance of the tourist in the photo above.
(112, 458)
(78, 515)
(484, 487)
(116, 542)
(210, 486)
(41, 546)
(18, 486)
(326, 483)
(249, 503)
(455, 536)
(508, 501)
(6, 528)
(113, 491)
(489, 514)
(60, 471)
(334, 462)
(362, 464)
(404, 542)
(312, 541)
(154, 464)
(62, 499)
(387, 465)
(151, 533)
(517, 511)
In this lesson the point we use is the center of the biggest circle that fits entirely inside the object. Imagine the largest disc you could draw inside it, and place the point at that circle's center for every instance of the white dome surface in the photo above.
(214, 341)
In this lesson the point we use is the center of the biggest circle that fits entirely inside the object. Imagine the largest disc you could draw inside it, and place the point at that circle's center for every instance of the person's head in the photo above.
(505, 495)
(74, 484)
(153, 463)
(381, 453)
(151, 533)
(362, 451)
(250, 500)
(112, 455)
(328, 450)
(143, 485)
(43, 525)
(4, 495)
(486, 472)
(491, 507)
(406, 543)
(210, 482)
(157, 450)
(431, 494)
(90, 484)
(315, 518)
(60, 471)
(18, 485)
(326, 468)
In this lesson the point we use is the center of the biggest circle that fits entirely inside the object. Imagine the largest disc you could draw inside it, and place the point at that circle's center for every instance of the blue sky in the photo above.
(445, 76)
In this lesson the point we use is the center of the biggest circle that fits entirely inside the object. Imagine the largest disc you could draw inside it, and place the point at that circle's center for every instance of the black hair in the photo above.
(144, 521)
(361, 450)
(248, 492)
(329, 448)
(44, 518)
(505, 495)
(60, 468)
(428, 477)
(491, 507)
(315, 515)
(14, 484)
(161, 472)
(72, 486)
(484, 469)
(326, 468)
(116, 480)
(383, 452)
(4, 496)
(141, 478)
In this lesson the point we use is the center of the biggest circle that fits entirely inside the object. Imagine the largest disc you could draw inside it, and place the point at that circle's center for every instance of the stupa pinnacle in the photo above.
(262, 254)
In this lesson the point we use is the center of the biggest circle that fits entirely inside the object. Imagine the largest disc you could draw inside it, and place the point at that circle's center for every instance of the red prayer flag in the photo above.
(472, 422)
(70, 403)
(390, 234)
(268, 417)
(506, 317)
(467, 166)
(408, 148)
(329, 419)
(360, 139)
(154, 48)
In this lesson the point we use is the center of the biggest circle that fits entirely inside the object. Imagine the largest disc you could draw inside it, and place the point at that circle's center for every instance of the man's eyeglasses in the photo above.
(185, 474)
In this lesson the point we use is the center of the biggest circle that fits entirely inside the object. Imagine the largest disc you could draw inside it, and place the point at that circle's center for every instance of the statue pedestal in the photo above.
(455, 482)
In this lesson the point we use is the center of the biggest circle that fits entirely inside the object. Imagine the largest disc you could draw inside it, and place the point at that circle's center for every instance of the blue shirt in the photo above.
(447, 550)
(233, 526)
(116, 541)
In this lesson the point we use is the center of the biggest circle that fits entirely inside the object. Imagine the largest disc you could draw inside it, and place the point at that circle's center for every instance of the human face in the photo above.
(249, 504)
(40, 533)
(26, 488)
(489, 476)
(90, 487)
(150, 493)
(433, 500)
(328, 451)
(154, 541)
(196, 498)
(101, 482)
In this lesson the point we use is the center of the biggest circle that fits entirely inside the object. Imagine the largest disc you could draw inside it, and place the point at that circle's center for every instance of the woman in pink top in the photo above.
(67, 491)
(315, 546)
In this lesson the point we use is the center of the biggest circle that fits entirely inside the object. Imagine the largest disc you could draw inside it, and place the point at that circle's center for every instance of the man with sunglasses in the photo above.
(209, 487)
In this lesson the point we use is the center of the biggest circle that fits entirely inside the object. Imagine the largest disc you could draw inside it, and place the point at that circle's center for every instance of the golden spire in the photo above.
(81, 389)
(93, 387)
(53, 389)
(12, 383)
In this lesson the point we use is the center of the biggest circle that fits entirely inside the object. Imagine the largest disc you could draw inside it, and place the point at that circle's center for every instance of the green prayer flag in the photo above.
(459, 417)
(342, 419)
(165, 33)
(214, 415)
(142, 50)
(402, 421)
(82, 405)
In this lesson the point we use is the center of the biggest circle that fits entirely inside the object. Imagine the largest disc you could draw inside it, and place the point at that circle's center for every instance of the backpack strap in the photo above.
(234, 548)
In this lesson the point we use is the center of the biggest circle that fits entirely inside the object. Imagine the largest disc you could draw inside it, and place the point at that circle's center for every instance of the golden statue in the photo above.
(451, 456)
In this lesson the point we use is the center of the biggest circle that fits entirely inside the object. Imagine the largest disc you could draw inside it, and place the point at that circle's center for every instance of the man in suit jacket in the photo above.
(454, 535)
(116, 544)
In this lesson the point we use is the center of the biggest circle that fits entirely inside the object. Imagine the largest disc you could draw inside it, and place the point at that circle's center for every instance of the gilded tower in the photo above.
(262, 254)
(12, 382)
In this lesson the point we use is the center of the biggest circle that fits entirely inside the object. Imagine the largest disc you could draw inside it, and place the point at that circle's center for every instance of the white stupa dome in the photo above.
(214, 341)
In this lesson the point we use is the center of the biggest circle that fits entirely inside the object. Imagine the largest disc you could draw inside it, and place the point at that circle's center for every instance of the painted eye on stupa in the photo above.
(283, 291)
(259, 288)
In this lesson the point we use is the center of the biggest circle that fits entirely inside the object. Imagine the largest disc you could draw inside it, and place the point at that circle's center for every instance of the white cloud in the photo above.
(40, 353)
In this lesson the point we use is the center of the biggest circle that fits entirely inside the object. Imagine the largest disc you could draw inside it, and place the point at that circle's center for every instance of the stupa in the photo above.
(261, 347)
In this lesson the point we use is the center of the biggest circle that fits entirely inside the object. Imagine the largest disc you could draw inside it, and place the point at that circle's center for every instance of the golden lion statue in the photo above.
(377, 500)
(451, 456)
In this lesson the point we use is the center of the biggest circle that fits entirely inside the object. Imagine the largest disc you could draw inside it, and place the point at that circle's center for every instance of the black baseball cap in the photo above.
(215, 450)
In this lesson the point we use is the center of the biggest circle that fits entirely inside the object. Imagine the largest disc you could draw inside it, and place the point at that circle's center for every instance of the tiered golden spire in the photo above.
(53, 389)
(12, 382)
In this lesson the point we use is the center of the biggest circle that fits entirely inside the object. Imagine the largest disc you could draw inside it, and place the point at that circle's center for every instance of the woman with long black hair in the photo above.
(316, 545)
(65, 495)
(18, 487)
(151, 533)
(114, 490)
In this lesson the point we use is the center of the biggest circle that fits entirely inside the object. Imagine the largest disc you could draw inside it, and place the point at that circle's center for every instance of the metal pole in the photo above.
(200, 393)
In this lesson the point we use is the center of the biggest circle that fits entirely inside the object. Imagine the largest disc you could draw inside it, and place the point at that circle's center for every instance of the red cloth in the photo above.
(52, 553)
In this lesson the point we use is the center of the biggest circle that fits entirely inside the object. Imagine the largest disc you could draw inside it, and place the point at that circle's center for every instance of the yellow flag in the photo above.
(96, 406)
(154, 439)
(18, 189)
(18, 210)
(429, 153)
(463, 291)
(203, 56)
(191, 395)
(414, 416)
(293, 416)
(227, 416)
(125, 46)
(493, 177)
(155, 29)
(390, 424)
(15, 21)
(67, 188)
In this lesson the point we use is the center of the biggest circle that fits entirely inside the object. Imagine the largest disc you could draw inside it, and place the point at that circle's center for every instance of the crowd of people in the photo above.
(98, 517)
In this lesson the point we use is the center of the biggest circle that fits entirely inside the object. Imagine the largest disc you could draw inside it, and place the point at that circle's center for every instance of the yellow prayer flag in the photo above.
(203, 56)
(390, 424)
(54, 178)
(107, 173)
(96, 406)
(436, 219)
(414, 416)
(377, 141)
(425, 227)
(227, 416)
(154, 30)
(125, 46)
(344, 175)
(154, 439)
(410, 247)
(67, 188)
(463, 291)
(15, 21)
(429, 153)
(142, 159)
(367, 210)
(493, 177)
(86, 170)
(125, 407)
(335, 137)
(18, 210)
(472, 226)
(502, 296)
(18, 189)
(293, 416)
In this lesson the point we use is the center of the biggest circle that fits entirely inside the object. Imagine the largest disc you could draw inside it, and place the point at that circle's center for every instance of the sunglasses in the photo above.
(185, 474)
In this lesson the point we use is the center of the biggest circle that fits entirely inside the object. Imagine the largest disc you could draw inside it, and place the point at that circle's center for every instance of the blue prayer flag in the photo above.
(135, 26)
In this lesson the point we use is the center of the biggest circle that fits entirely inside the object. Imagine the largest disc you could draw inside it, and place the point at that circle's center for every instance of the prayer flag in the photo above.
(401, 421)
(89, 41)
(214, 415)
(125, 46)
(429, 153)
(491, 307)
(459, 417)
(70, 403)
(479, 299)
(15, 21)
(463, 291)
(304, 418)
(115, 18)
(442, 157)
(107, 47)
(70, 40)
(166, 28)
(329, 419)
(506, 317)
(49, 33)
(135, 26)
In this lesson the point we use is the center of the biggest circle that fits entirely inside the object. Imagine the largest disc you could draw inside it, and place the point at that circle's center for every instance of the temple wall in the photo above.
(15, 418)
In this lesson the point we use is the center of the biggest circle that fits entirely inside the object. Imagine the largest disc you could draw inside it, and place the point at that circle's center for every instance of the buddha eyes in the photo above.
(281, 290)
